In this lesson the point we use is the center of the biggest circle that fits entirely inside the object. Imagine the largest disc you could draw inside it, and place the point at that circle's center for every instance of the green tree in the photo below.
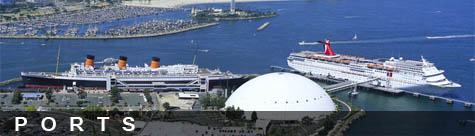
(221, 102)
(16, 97)
(114, 112)
(79, 103)
(307, 120)
(134, 114)
(82, 95)
(254, 116)
(328, 125)
(214, 101)
(219, 93)
(233, 113)
(205, 101)
(92, 112)
(115, 94)
(166, 105)
(30, 108)
(49, 94)
(147, 95)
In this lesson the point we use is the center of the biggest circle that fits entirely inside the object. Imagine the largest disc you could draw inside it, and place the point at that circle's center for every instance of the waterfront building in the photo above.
(32, 96)
(282, 96)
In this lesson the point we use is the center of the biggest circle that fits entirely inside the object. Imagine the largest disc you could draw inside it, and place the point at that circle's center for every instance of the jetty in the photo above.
(263, 26)
(10, 81)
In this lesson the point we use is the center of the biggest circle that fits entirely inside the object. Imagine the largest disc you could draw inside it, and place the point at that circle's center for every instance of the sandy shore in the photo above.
(181, 3)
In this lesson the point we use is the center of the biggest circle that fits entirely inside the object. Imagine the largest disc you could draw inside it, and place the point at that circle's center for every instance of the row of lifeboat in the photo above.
(353, 57)
(389, 68)
(329, 59)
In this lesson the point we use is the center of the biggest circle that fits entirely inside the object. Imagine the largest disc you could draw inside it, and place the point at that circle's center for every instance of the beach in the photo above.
(181, 3)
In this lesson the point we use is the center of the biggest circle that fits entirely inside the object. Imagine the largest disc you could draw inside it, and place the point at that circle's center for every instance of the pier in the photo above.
(448, 100)
(342, 84)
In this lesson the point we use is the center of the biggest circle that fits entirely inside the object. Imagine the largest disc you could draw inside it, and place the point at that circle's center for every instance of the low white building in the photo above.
(282, 96)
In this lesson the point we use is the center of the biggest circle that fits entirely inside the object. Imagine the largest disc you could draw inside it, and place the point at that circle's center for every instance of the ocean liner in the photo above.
(117, 73)
(420, 76)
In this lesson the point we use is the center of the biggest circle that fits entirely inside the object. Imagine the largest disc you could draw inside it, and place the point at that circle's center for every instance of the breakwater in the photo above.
(6, 82)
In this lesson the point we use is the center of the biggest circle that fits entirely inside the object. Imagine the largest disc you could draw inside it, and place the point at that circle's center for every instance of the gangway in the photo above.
(122, 83)
(345, 85)
(282, 69)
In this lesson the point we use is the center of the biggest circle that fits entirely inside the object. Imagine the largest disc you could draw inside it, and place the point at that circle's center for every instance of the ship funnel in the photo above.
(89, 61)
(328, 49)
(122, 62)
(155, 62)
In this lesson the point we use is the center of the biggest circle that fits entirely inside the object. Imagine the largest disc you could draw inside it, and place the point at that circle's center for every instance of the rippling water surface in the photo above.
(441, 31)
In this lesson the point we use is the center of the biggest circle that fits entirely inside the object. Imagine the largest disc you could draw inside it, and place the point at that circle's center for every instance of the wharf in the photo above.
(448, 100)
(342, 84)
(109, 37)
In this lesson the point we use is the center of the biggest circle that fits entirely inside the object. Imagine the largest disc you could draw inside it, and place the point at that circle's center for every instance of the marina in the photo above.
(116, 36)
(68, 24)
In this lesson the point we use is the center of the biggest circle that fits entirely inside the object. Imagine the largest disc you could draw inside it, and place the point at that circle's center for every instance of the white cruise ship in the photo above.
(420, 76)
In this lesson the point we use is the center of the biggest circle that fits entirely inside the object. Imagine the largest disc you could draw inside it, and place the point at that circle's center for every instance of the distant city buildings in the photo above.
(6, 2)
(41, 2)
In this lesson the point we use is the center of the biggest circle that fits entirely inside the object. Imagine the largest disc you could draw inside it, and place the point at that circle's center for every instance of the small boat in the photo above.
(355, 37)
(307, 43)
(263, 26)
(472, 59)
(353, 92)
(204, 50)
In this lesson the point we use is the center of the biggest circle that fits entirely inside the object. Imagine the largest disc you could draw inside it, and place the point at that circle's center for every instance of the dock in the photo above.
(448, 100)
(342, 84)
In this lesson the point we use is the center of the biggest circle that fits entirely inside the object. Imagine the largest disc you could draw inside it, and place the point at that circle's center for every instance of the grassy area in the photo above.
(6, 82)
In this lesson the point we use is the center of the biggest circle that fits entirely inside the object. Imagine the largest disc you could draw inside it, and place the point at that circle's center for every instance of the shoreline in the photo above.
(182, 3)
(110, 37)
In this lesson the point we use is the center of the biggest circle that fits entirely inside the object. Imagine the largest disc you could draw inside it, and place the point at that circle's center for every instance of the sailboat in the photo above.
(354, 92)
(355, 37)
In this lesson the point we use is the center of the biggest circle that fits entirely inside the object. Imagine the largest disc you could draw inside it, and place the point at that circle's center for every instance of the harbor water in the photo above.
(384, 29)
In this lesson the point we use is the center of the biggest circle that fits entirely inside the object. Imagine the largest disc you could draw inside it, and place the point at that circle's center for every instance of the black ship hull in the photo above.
(42, 82)
(45, 82)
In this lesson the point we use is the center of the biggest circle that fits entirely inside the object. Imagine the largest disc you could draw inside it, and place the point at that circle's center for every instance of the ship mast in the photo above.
(57, 59)
(196, 52)
(233, 6)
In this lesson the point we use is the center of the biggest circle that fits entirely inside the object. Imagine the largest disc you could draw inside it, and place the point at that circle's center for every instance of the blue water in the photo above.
(385, 28)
